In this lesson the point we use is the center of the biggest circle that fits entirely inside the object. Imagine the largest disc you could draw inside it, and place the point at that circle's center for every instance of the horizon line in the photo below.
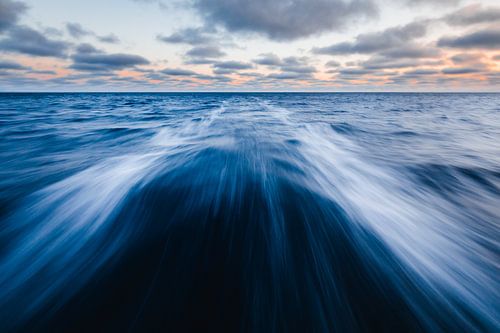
(248, 92)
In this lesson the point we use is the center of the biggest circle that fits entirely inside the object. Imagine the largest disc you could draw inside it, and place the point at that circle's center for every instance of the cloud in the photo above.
(179, 72)
(394, 48)
(22, 39)
(332, 63)
(77, 31)
(87, 48)
(381, 63)
(46, 72)
(106, 62)
(419, 72)
(205, 52)
(482, 39)
(10, 11)
(299, 69)
(233, 65)
(431, 2)
(110, 39)
(377, 41)
(268, 59)
(230, 67)
(284, 19)
(466, 58)
(460, 70)
(272, 60)
(89, 58)
(295, 61)
(412, 51)
(188, 76)
(473, 14)
(192, 36)
(204, 55)
(401, 53)
(224, 71)
(285, 76)
(11, 65)
(289, 66)
(355, 71)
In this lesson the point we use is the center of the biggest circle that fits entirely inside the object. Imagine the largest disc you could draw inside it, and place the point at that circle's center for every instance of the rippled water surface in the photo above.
(250, 212)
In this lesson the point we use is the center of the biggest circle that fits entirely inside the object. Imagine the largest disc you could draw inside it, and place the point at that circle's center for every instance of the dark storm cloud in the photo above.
(284, 19)
(205, 52)
(483, 39)
(11, 65)
(10, 11)
(377, 41)
(77, 31)
(89, 58)
(192, 36)
(473, 14)
(22, 39)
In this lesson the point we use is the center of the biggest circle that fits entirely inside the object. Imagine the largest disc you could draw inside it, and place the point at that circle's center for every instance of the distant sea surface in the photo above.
(283, 212)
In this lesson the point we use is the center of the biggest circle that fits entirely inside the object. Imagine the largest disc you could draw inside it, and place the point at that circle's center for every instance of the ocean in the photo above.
(249, 212)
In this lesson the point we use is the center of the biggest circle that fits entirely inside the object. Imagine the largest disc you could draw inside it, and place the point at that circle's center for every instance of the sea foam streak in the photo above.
(306, 229)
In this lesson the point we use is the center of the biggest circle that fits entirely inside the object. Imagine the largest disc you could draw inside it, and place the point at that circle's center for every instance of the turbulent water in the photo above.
(250, 212)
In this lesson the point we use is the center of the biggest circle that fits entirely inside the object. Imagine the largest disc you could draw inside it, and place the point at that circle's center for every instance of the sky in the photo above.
(241, 45)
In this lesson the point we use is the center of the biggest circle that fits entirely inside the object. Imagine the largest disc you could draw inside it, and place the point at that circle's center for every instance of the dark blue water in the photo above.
(249, 212)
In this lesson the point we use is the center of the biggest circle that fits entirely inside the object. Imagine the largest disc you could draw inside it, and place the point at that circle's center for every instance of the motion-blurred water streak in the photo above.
(250, 212)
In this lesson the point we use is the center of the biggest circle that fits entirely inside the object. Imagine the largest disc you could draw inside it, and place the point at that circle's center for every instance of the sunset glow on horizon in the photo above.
(234, 45)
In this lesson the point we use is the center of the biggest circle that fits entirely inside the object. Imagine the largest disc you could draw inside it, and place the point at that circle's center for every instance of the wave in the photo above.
(243, 218)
